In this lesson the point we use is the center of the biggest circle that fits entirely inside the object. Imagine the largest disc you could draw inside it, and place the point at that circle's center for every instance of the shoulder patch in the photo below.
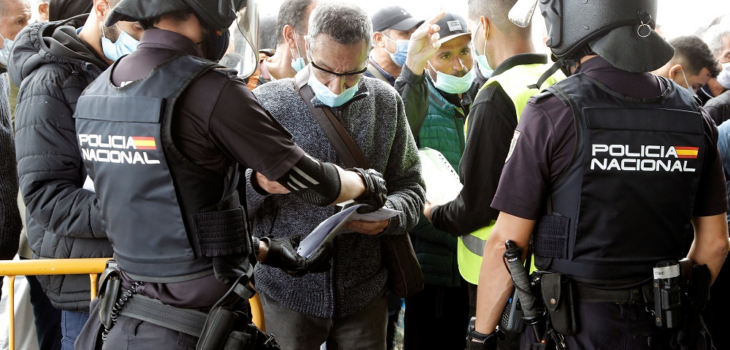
(513, 144)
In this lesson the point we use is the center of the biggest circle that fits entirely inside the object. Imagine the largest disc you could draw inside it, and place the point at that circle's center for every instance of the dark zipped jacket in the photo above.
(52, 66)
(719, 108)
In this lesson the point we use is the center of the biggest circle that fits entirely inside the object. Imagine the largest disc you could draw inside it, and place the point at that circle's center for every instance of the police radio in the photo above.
(667, 294)
(511, 320)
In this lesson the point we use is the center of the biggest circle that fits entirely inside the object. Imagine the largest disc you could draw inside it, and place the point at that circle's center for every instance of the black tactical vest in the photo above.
(626, 200)
(166, 217)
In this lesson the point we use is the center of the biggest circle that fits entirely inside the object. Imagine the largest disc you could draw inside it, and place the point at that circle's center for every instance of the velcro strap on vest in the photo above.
(551, 237)
(643, 294)
(153, 311)
(222, 232)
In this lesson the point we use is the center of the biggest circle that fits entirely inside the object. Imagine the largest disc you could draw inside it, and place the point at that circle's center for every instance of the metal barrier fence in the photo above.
(92, 267)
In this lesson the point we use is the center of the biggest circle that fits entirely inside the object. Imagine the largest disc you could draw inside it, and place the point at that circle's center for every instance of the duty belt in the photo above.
(153, 311)
(643, 294)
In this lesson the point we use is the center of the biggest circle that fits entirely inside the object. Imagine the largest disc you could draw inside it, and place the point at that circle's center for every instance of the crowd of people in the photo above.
(126, 132)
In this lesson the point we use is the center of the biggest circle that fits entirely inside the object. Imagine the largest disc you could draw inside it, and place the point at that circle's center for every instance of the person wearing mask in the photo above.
(692, 65)
(583, 181)
(490, 126)
(164, 135)
(719, 107)
(63, 217)
(717, 38)
(346, 304)
(289, 57)
(438, 84)
(14, 16)
(392, 28)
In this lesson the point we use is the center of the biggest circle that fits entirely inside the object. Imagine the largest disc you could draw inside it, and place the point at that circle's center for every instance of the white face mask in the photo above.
(689, 87)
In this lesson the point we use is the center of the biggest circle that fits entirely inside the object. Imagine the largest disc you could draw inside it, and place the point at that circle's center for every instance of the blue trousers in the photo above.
(71, 324)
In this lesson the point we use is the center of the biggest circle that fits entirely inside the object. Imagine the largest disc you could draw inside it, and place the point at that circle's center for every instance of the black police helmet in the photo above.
(218, 15)
(621, 31)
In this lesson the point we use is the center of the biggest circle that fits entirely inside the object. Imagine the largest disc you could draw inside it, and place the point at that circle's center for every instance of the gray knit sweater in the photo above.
(10, 225)
(376, 120)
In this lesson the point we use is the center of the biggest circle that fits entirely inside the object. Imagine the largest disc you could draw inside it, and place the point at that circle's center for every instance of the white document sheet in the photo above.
(442, 181)
(328, 229)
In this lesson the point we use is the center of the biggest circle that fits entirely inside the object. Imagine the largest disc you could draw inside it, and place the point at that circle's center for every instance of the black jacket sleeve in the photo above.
(10, 224)
(413, 89)
(719, 108)
(491, 125)
(50, 166)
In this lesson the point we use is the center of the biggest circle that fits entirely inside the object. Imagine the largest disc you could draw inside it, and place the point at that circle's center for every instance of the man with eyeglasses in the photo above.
(347, 303)
(392, 29)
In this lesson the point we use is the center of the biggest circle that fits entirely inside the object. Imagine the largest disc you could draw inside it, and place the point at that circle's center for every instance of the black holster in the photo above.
(108, 293)
(229, 324)
(559, 298)
(693, 333)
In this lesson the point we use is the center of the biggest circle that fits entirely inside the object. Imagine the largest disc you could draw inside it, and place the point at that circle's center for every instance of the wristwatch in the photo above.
(480, 341)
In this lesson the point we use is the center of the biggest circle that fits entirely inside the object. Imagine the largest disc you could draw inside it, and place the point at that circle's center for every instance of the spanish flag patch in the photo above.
(148, 143)
(687, 152)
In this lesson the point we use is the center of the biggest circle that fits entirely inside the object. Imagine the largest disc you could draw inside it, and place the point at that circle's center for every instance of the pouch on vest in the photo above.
(559, 298)
(551, 239)
(223, 233)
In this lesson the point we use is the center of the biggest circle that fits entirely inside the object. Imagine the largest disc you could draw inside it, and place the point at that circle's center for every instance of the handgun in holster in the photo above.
(108, 293)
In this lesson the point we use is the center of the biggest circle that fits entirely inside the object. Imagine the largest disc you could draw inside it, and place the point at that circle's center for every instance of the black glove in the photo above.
(283, 254)
(375, 191)
(479, 341)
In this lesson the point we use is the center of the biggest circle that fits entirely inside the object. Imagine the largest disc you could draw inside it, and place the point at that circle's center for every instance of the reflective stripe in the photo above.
(474, 244)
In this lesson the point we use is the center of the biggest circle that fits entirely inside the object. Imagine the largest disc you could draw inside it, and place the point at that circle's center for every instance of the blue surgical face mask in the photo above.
(5, 52)
(482, 61)
(401, 53)
(328, 97)
(124, 45)
(298, 63)
(451, 84)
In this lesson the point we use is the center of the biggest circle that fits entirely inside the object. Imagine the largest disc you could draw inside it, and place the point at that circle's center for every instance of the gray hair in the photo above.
(714, 36)
(346, 24)
(4, 5)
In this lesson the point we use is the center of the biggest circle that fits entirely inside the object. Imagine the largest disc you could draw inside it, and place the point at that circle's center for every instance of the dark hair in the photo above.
(180, 15)
(694, 54)
(292, 12)
(497, 11)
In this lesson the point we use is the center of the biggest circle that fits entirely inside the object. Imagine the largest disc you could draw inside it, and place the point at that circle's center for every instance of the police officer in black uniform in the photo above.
(162, 134)
(606, 170)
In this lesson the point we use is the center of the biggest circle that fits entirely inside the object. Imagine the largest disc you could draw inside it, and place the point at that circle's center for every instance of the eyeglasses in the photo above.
(326, 76)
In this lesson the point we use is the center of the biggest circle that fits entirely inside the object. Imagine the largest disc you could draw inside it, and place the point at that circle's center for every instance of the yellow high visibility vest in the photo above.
(515, 83)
